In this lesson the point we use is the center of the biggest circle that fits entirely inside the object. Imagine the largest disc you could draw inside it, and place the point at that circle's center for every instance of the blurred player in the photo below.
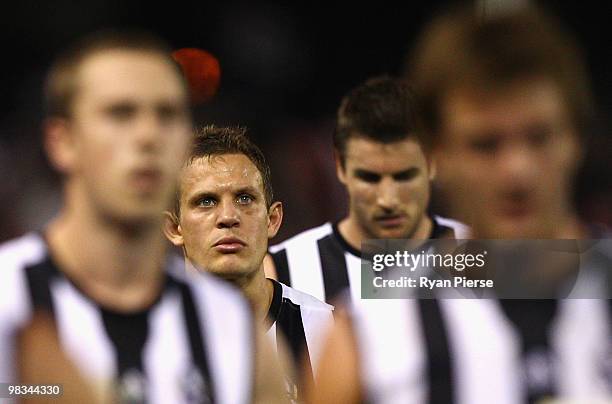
(504, 99)
(224, 217)
(387, 174)
(118, 127)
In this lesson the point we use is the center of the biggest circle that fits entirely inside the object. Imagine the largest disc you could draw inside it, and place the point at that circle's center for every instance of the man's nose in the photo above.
(518, 163)
(148, 131)
(228, 215)
(387, 194)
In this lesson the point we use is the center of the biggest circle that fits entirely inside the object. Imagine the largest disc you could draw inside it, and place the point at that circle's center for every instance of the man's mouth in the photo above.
(516, 210)
(229, 245)
(390, 221)
(146, 179)
(516, 205)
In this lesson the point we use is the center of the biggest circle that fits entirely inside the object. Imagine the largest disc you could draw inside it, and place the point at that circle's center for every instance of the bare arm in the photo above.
(337, 379)
(41, 361)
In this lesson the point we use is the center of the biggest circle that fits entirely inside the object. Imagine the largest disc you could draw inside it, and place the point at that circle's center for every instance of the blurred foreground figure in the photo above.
(503, 99)
(118, 127)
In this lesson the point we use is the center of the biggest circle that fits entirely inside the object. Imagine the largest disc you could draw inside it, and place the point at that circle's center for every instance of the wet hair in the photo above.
(380, 109)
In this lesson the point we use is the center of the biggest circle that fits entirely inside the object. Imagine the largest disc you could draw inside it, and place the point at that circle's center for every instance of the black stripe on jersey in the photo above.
(39, 278)
(277, 301)
(533, 319)
(289, 324)
(196, 344)
(439, 368)
(128, 332)
(342, 241)
(282, 266)
(333, 262)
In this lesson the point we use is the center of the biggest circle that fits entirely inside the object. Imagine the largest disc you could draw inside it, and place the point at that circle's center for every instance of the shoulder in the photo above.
(25, 250)
(307, 236)
(460, 230)
(304, 300)
(209, 291)
(15, 256)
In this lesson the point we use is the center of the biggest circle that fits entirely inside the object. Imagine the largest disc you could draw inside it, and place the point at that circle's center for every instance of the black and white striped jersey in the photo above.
(482, 351)
(301, 319)
(180, 349)
(320, 262)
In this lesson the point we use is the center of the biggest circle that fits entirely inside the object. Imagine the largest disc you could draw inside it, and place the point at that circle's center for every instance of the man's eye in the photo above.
(168, 113)
(406, 175)
(245, 199)
(121, 112)
(485, 145)
(206, 202)
(370, 178)
(538, 136)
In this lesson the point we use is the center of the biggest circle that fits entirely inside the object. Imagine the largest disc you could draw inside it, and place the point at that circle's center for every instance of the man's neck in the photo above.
(351, 232)
(119, 267)
(259, 292)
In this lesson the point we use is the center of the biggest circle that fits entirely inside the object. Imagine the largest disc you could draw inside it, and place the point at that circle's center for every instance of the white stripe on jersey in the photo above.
(317, 320)
(484, 351)
(14, 255)
(304, 261)
(461, 230)
(390, 344)
(353, 268)
(81, 332)
(15, 307)
(226, 320)
(165, 352)
(583, 337)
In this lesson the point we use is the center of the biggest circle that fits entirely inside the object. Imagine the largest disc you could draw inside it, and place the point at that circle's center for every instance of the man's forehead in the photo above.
(381, 157)
(360, 143)
(529, 99)
(124, 73)
(235, 170)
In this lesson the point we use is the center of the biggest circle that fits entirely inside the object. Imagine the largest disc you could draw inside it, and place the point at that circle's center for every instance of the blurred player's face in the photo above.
(224, 223)
(127, 135)
(507, 158)
(388, 187)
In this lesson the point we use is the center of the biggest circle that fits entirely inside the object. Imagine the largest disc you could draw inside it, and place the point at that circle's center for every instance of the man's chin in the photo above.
(228, 271)
(133, 220)
(392, 233)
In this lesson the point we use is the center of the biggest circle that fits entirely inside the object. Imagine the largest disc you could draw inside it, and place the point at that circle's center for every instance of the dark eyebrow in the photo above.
(366, 175)
(406, 174)
(119, 106)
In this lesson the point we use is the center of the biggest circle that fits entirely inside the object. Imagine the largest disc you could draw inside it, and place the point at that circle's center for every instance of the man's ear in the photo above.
(340, 173)
(172, 229)
(60, 144)
(275, 218)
